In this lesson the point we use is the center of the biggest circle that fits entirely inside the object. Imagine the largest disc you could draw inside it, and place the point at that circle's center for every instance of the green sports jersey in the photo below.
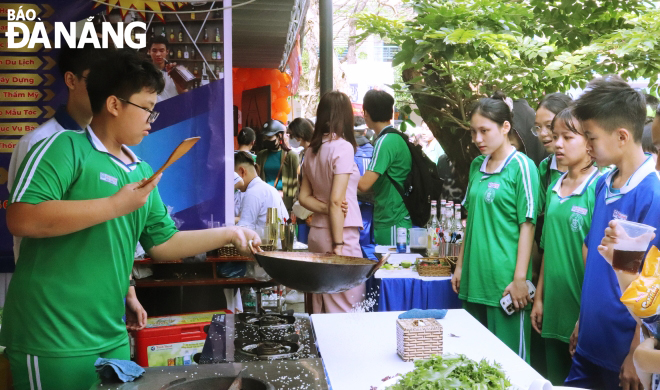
(548, 174)
(66, 297)
(390, 157)
(497, 204)
(567, 222)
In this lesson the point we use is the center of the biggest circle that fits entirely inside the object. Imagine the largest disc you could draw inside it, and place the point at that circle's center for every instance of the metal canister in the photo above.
(272, 226)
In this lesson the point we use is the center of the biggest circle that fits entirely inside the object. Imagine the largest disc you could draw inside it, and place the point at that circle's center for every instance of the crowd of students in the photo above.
(598, 172)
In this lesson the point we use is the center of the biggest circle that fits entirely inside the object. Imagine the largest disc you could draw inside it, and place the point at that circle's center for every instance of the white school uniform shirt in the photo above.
(258, 197)
(169, 90)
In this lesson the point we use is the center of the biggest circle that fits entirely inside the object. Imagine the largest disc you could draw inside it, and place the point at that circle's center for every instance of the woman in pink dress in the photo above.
(330, 177)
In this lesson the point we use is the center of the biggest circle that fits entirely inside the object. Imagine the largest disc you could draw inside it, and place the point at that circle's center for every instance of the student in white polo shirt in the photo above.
(258, 196)
(76, 114)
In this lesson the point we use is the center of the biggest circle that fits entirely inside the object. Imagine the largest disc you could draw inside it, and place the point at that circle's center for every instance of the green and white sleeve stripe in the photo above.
(374, 159)
(31, 167)
(527, 183)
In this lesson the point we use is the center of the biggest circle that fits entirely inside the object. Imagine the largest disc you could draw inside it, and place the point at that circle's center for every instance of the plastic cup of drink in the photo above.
(633, 242)
(418, 240)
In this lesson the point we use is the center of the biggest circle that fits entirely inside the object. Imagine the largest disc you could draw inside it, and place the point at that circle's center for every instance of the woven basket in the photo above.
(435, 266)
(418, 338)
(231, 251)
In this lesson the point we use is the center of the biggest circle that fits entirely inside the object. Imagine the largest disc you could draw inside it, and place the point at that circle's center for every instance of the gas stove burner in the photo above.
(267, 320)
(276, 349)
(270, 320)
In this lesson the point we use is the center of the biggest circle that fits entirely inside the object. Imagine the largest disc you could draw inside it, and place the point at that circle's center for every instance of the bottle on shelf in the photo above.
(205, 77)
(218, 55)
(206, 34)
(217, 34)
(213, 53)
(171, 54)
(196, 70)
(432, 229)
(192, 15)
(219, 71)
(179, 55)
(171, 35)
(186, 54)
(162, 32)
(153, 31)
(457, 234)
(180, 34)
(193, 54)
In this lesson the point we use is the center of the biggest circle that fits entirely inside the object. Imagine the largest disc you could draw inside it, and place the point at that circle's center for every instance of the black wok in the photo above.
(316, 272)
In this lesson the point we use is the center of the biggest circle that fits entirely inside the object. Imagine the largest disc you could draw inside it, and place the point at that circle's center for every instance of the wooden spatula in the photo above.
(180, 150)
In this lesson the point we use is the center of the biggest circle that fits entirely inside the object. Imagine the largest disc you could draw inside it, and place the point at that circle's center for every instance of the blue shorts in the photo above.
(588, 375)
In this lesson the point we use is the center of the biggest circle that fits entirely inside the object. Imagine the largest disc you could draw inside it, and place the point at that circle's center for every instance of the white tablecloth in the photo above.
(359, 349)
(405, 274)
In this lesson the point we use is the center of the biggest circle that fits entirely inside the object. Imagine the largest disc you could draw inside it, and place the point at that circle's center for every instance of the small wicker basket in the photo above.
(231, 251)
(418, 338)
(435, 266)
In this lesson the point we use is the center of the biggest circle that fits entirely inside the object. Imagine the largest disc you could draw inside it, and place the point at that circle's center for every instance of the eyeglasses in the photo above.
(536, 130)
(152, 114)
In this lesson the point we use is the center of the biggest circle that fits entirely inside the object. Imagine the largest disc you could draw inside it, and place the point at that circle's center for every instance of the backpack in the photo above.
(422, 184)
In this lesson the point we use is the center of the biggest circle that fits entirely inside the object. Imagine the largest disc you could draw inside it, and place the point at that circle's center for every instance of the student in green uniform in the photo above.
(77, 204)
(568, 212)
(501, 204)
(549, 169)
(391, 161)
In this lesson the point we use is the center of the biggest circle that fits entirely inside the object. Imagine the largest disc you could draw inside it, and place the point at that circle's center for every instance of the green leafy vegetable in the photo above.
(453, 372)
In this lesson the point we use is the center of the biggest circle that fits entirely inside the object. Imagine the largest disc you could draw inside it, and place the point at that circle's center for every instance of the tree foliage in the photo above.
(455, 52)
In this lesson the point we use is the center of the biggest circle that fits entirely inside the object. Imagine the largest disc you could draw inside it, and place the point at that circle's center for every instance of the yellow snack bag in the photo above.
(642, 297)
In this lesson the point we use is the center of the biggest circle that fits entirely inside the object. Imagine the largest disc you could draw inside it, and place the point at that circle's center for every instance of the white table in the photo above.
(406, 273)
(359, 349)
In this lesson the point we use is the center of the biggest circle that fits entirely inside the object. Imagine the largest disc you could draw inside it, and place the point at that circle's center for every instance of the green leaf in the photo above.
(461, 36)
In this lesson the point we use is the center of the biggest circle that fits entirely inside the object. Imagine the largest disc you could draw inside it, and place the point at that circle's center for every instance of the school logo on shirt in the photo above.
(489, 197)
(576, 221)
(108, 179)
(619, 215)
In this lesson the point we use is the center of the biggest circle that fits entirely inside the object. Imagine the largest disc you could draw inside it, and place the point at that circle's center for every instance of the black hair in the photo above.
(241, 157)
(358, 121)
(613, 104)
(555, 102)
(156, 40)
(302, 128)
(379, 105)
(246, 136)
(77, 61)
(494, 108)
(122, 73)
(647, 140)
(566, 117)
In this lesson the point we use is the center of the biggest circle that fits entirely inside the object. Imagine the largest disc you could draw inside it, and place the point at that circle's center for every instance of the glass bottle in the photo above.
(205, 77)
(162, 32)
(171, 35)
(213, 54)
(206, 34)
(457, 235)
(432, 228)
(196, 70)
(192, 15)
(179, 55)
(180, 35)
(193, 54)
(186, 54)
(217, 34)
(446, 227)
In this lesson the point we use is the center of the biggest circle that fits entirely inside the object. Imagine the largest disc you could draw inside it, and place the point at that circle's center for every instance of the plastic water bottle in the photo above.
(401, 239)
